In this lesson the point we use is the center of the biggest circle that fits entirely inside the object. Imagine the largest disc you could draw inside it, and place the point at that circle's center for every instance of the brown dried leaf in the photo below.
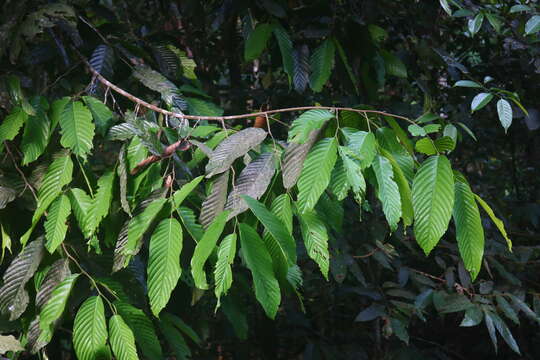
(294, 157)
(215, 202)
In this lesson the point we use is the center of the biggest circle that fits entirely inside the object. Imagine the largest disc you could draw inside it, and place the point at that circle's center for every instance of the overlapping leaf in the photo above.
(256, 42)
(77, 128)
(12, 123)
(214, 203)
(122, 339)
(55, 225)
(316, 240)
(36, 132)
(322, 62)
(90, 330)
(223, 276)
(294, 157)
(388, 191)
(302, 127)
(58, 271)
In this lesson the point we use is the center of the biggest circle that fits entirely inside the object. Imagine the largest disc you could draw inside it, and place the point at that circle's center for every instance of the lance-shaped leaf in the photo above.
(303, 126)
(142, 328)
(55, 225)
(286, 49)
(81, 204)
(12, 123)
(253, 182)
(388, 140)
(363, 146)
(90, 330)
(259, 262)
(233, 147)
(316, 240)
(13, 296)
(339, 181)
(36, 132)
(204, 248)
(498, 222)
(77, 128)
(407, 212)
(316, 173)
(322, 62)
(388, 191)
(102, 200)
(176, 340)
(58, 271)
(140, 223)
(433, 200)
(164, 263)
(180, 195)
(301, 68)
(189, 220)
(182, 326)
(34, 344)
(214, 203)
(280, 243)
(122, 339)
(480, 101)
(122, 177)
(294, 157)
(504, 110)
(353, 171)
(223, 276)
(54, 308)
(256, 42)
(102, 115)
(469, 230)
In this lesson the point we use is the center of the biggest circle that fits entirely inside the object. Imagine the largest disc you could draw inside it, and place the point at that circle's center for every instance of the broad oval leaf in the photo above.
(223, 276)
(164, 263)
(236, 145)
(321, 63)
(77, 128)
(480, 101)
(55, 225)
(13, 296)
(204, 248)
(433, 200)
(388, 191)
(504, 110)
(90, 330)
(316, 240)
(469, 231)
(316, 173)
(253, 182)
(259, 262)
(293, 159)
(122, 339)
(426, 146)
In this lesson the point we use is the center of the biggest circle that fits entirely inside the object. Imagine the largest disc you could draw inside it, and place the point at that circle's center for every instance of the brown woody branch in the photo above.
(181, 145)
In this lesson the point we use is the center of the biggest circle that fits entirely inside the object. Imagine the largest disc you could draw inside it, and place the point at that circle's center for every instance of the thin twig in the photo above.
(26, 183)
(372, 252)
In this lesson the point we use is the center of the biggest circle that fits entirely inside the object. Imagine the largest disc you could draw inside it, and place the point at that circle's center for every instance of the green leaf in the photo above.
(223, 276)
(388, 140)
(533, 25)
(164, 263)
(181, 194)
(183, 327)
(13, 296)
(81, 204)
(175, 340)
(505, 113)
(121, 339)
(404, 189)
(256, 42)
(345, 62)
(187, 216)
(54, 308)
(316, 240)
(204, 248)
(494, 21)
(363, 145)
(468, 84)
(142, 328)
(321, 63)
(480, 101)
(388, 191)
(446, 7)
(77, 128)
(286, 49)
(12, 123)
(90, 330)
(316, 173)
(102, 200)
(55, 225)
(303, 126)
(476, 23)
(353, 170)
(36, 133)
(498, 222)
(339, 182)
(507, 309)
(393, 65)
(140, 223)
(519, 8)
(102, 115)
(416, 130)
(445, 143)
(426, 146)
(259, 262)
(285, 243)
(469, 230)
(203, 107)
(57, 272)
(433, 199)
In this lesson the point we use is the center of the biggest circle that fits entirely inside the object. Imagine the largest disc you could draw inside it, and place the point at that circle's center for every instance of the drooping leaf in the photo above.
(469, 230)
(101, 114)
(316, 173)
(236, 145)
(363, 146)
(301, 68)
(476, 23)
(36, 133)
(55, 225)
(102, 60)
(183, 327)
(77, 128)
(388, 191)
(13, 296)
(176, 340)
(498, 222)
(157, 82)
(389, 140)
(90, 330)
(294, 157)
(345, 61)
(253, 182)
(286, 49)
(321, 63)
(164, 263)
(339, 181)
(102, 200)
(407, 212)
(533, 25)
(202, 107)
(81, 204)
(180, 195)
(259, 262)
(54, 308)
(480, 101)
(393, 65)
(142, 328)
(58, 271)
(256, 42)
(316, 240)
(12, 123)
(223, 276)
(122, 339)
(140, 223)
(504, 111)
(122, 177)
(433, 200)
(353, 171)
(214, 203)
(507, 309)
(187, 216)
(204, 248)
